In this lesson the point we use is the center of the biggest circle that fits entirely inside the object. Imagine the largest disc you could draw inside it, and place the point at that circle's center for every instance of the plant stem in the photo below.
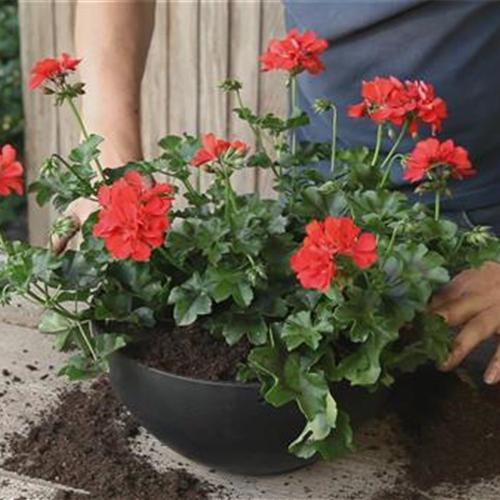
(437, 206)
(380, 132)
(74, 172)
(334, 138)
(259, 145)
(87, 341)
(293, 99)
(230, 203)
(49, 303)
(189, 187)
(395, 146)
(388, 170)
(85, 133)
(165, 254)
(391, 244)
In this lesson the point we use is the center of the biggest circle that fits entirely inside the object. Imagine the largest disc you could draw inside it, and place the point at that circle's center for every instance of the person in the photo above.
(453, 44)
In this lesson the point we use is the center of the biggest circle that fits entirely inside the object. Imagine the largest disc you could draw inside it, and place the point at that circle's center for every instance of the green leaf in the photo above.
(87, 151)
(260, 160)
(108, 343)
(334, 446)
(170, 142)
(178, 153)
(190, 300)
(356, 163)
(376, 208)
(322, 424)
(79, 368)
(298, 118)
(224, 282)
(428, 340)
(413, 274)
(311, 389)
(236, 325)
(54, 323)
(194, 236)
(300, 329)
(65, 340)
(268, 363)
(358, 313)
(488, 250)
(322, 202)
(363, 367)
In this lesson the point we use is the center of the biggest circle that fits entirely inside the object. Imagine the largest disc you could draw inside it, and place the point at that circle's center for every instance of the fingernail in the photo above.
(491, 376)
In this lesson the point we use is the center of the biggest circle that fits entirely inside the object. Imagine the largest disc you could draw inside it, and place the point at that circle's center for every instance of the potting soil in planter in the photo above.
(84, 443)
(192, 352)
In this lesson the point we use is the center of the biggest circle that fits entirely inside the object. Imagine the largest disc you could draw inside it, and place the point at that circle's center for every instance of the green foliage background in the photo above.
(11, 109)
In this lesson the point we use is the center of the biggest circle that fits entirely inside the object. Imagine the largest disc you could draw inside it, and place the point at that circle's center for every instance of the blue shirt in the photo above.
(453, 44)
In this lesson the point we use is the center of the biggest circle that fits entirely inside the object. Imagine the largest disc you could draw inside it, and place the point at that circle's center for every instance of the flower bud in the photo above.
(322, 105)
(479, 236)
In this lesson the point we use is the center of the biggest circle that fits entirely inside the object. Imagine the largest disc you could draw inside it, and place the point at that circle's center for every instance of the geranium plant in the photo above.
(329, 282)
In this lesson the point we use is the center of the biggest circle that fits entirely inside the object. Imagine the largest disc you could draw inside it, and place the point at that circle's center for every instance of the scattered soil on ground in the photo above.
(191, 352)
(84, 443)
(450, 430)
(399, 493)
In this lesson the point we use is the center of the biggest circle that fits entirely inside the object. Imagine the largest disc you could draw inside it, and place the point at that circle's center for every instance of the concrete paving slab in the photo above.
(29, 384)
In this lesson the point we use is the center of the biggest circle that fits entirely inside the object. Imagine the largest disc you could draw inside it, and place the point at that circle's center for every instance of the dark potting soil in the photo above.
(191, 352)
(84, 443)
(451, 432)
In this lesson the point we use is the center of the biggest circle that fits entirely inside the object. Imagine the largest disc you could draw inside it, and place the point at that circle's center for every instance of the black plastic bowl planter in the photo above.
(225, 425)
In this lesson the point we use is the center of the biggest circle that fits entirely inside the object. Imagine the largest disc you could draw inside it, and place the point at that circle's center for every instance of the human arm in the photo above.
(113, 39)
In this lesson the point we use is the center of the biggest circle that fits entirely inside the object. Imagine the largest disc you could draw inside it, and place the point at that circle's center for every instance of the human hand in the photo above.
(78, 211)
(471, 301)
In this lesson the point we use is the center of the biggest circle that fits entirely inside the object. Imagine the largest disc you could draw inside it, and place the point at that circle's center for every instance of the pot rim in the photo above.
(191, 380)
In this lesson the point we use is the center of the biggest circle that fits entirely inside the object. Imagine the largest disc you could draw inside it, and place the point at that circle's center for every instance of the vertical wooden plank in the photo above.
(183, 72)
(37, 41)
(244, 49)
(68, 134)
(154, 86)
(273, 96)
(214, 69)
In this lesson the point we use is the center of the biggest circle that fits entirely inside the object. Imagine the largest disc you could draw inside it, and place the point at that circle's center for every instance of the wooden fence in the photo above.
(197, 44)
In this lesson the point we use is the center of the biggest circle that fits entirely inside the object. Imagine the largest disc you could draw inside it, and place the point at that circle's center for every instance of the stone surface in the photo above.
(32, 384)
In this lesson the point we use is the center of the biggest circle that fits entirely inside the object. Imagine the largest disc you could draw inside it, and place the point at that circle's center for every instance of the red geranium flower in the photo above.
(295, 53)
(214, 148)
(133, 218)
(315, 267)
(429, 108)
(51, 68)
(442, 158)
(390, 100)
(315, 264)
(378, 95)
(11, 172)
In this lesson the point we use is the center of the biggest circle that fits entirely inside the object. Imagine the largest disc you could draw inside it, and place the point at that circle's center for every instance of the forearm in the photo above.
(113, 38)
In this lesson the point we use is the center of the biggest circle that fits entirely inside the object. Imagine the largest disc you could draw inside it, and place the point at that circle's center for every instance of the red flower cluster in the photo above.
(431, 154)
(295, 53)
(214, 148)
(11, 172)
(314, 263)
(390, 100)
(133, 218)
(51, 68)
